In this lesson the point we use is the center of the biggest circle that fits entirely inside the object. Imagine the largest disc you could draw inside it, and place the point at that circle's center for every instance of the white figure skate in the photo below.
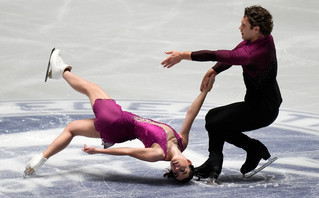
(34, 164)
(56, 65)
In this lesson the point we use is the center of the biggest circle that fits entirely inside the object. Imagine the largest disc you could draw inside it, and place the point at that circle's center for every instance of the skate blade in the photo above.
(25, 174)
(257, 170)
(213, 182)
(28, 173)
(48, 67)
(208, 181)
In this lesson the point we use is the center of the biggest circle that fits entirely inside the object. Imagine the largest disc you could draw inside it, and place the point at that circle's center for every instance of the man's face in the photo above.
(247, 32)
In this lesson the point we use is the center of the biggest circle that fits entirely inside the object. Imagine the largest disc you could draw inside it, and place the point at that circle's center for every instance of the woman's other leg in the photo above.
(75, 128)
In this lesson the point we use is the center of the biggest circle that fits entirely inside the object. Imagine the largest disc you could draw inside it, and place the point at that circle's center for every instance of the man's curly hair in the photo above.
(259, 16)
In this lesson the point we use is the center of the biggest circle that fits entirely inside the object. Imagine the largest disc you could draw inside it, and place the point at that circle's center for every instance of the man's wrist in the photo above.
(213, 72)
(186, 56)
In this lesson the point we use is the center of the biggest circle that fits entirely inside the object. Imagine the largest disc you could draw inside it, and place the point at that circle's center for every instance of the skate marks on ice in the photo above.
(287, 171)
(27, 127)
(266, 179)
(231, 177)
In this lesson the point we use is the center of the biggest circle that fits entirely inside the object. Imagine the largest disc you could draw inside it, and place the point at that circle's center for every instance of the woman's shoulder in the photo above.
(158, 152)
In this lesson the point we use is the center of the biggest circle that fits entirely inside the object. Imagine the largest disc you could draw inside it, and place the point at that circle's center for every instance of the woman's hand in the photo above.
(209, 85)
(207, 82)
(90, 150)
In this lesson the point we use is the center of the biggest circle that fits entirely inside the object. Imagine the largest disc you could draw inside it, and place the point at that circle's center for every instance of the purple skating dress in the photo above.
(117, 126)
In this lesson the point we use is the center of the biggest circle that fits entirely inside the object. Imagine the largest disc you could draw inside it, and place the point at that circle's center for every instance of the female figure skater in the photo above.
(113, 125)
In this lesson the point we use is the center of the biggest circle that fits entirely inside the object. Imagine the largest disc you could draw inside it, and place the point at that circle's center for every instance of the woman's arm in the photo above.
(193, 111)
(146, 154)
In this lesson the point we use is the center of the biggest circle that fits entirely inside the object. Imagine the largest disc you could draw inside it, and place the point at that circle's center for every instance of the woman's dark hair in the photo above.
(259, 16)
(170, 174)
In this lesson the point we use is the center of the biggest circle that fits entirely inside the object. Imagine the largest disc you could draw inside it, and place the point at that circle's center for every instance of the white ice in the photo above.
(119, 45)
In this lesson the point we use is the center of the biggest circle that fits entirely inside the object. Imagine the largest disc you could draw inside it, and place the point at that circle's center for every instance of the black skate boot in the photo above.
(212, 167)
(255, 153)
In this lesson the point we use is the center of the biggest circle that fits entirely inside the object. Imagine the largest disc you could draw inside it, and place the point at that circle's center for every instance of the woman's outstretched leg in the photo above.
(90, 89)
(58, 68)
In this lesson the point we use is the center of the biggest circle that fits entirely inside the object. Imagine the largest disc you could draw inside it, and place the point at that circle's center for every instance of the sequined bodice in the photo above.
(150, 132)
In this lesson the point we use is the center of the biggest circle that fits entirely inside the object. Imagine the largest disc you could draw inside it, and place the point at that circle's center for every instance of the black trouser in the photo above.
(227, 123)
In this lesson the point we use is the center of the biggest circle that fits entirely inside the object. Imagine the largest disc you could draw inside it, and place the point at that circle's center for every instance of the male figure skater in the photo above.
(257, 56)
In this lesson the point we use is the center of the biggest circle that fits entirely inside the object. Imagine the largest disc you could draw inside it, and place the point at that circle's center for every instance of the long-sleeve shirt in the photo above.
(259, 63)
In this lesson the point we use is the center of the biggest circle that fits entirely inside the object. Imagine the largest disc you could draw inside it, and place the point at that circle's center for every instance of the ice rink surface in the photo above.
(119, 45)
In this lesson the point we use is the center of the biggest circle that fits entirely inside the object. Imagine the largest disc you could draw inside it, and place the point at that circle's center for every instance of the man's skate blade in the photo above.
(255, 171)
(48, 67)
(207, 181)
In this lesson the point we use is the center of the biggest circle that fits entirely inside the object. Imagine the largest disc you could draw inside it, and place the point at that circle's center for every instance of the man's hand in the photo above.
(206, 80)
(210, 83)
(175, 57)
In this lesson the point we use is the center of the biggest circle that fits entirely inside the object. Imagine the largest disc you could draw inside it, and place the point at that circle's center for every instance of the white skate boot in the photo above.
(34, 164)
(56, 65)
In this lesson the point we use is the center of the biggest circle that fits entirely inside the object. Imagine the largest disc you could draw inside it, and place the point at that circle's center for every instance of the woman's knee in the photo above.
(72, 128)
